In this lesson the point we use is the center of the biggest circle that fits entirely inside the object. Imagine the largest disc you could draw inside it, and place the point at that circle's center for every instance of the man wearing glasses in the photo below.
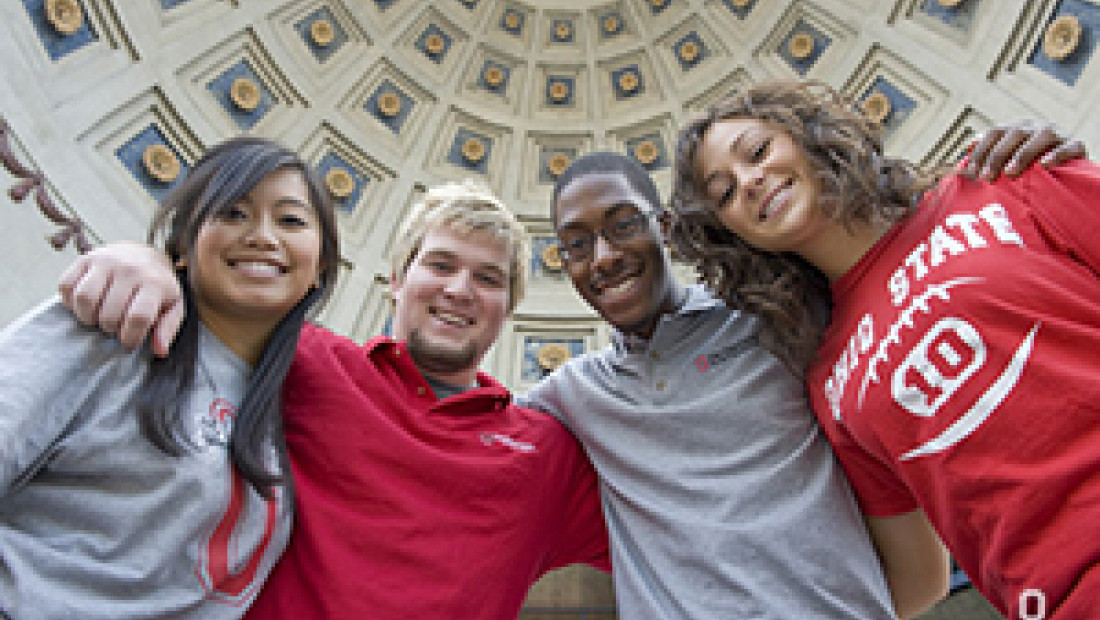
(721, 497)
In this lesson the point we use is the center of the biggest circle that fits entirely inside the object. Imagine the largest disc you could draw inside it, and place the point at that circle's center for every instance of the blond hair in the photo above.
(464, 207)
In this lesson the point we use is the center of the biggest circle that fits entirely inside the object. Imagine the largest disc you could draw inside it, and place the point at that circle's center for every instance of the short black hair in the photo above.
(601, 162)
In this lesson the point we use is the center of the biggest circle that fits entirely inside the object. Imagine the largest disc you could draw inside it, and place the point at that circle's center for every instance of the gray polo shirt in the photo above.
(722, 497)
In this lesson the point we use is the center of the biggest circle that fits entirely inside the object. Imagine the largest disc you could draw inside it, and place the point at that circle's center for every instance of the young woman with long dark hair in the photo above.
(134, 487)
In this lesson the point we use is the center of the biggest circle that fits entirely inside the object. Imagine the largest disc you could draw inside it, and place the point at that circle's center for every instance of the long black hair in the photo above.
(218, 180)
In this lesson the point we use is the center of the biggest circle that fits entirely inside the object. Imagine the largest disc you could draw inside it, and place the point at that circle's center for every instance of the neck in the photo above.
(463, 378)
(245, 338)
(677, 294)
(839, 248)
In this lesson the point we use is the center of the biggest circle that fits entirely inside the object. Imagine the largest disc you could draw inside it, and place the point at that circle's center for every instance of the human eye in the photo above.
(491, 279)
(440, 265)
(761, 150)
(572, 244)
(627, 225)
(727, 194)
(293, 220)
(233, 213)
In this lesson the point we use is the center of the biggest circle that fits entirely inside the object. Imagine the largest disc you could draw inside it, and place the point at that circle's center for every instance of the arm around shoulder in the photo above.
(914, 561)
(129, 289)
(49, 365)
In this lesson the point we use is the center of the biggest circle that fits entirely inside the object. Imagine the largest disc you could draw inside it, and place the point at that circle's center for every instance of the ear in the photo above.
(395, 286)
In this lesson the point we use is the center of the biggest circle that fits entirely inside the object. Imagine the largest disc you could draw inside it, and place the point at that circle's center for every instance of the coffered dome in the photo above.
(109, 103)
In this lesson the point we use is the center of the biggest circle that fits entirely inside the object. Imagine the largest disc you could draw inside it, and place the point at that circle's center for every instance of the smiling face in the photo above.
(761, 185)
(628, 282)
(255, 259)
(451, 301)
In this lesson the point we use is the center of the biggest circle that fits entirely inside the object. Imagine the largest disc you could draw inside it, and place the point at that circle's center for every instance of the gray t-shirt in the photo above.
(722, 497)
(95, 521)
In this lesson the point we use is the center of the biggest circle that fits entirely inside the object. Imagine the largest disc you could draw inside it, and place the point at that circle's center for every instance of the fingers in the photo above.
(166, 328)
(134, 319)
(979, 150)
(1074, 149)
(995, 149)
(125, 290)
(70, 279)
(1038, 142)
(84, 294)
(1011, 149)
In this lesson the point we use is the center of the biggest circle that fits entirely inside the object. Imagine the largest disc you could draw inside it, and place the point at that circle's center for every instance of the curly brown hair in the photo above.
(858, 184)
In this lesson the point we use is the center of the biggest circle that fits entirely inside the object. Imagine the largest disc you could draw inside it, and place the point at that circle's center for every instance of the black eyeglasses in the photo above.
(577, 246)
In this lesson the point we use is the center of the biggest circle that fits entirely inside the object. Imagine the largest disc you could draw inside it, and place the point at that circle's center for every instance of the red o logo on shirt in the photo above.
(702, 363)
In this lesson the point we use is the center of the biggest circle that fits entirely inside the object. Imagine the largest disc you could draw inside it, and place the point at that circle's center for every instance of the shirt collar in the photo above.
(697, 300)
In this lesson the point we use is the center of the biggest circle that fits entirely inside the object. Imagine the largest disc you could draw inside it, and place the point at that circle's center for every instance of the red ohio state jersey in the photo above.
(961, 375)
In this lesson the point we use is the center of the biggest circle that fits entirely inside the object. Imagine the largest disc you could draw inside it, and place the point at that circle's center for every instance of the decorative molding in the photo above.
(65, 16)
(161, 163)
(551, 355)
(1061, 37)
(71, 228)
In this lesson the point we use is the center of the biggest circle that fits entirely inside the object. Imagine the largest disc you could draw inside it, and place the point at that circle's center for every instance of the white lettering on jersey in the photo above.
(935, 250)
(905, 319)
(985, 405)
(859, 344)
(938, 365)
(958, 234)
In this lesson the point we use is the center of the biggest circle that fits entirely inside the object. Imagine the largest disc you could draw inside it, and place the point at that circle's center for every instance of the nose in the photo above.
(460, 284)
(604, 253)
(752, 181)
(262, 233)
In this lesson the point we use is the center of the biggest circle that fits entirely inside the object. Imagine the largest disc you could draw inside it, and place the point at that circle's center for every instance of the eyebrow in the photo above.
(611, 212)
(734, 144)
(284, 201)
(449, 255)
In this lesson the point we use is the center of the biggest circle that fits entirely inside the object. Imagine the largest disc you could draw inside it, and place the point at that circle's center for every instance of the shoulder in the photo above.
(50, 326)
(579, 369)
(316, 340)
(314, 335)
(541, 428)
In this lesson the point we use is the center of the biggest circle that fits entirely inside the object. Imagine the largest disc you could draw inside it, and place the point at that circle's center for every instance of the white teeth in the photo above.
(621, 287)
(776, 200)
(258, 269)
(451, 319)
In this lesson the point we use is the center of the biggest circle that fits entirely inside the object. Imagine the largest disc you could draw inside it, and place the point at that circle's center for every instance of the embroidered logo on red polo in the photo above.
(491, 439)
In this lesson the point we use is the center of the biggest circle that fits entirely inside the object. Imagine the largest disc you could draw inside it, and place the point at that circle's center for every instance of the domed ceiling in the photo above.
(108, 102)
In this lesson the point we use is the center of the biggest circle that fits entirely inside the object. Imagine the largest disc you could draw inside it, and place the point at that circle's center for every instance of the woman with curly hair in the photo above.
(947, 328)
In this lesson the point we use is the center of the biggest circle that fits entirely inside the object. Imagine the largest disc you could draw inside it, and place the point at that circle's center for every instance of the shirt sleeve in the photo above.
(582, 530)
(878, 490)
(584, 537)
(49, 365)
(545, 396)
(1067, 200)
